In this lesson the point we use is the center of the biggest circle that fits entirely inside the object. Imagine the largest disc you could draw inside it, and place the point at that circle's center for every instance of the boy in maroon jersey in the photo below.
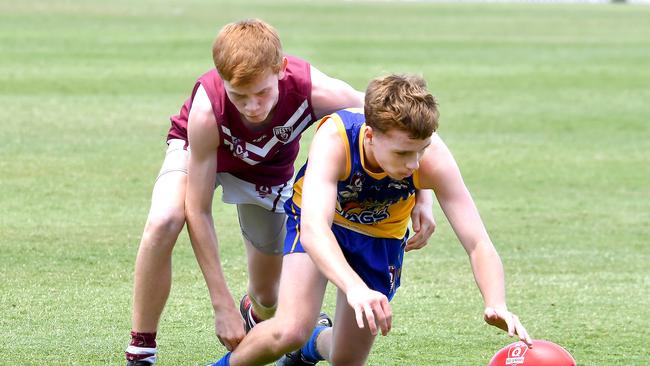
(243, 121)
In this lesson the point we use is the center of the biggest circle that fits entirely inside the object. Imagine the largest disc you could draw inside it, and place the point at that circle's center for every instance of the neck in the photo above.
(256, 126)
(369, 157)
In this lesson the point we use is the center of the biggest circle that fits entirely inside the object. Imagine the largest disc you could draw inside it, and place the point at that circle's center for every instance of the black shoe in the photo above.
(138, 363)
(293, 359)
(296, 358)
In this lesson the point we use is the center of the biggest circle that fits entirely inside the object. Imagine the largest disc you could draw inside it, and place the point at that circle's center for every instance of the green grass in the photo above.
(544, 106)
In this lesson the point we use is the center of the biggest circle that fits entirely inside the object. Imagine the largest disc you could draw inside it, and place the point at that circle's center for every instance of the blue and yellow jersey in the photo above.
(369, 203)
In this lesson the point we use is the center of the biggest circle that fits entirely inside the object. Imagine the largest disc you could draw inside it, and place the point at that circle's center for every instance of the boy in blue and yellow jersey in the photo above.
(347, 223)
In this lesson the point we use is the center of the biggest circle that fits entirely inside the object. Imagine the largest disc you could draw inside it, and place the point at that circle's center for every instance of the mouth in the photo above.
(255, 118)
(404, 175)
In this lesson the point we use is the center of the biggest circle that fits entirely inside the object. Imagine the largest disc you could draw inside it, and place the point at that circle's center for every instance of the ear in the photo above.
(368, 134)
(283, 69)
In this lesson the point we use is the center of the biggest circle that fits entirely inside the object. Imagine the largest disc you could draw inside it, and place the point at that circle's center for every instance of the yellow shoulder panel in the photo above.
(344, 137)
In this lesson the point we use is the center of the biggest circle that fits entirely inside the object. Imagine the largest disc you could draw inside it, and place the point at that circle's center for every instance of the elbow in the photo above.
(485, 252)
(307, 236)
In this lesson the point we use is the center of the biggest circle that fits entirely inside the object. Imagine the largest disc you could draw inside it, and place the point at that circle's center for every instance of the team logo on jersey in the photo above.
(282, 133)
(239, 148)
(398, 184)
(262, 191)
(366, 212)
(352, 189)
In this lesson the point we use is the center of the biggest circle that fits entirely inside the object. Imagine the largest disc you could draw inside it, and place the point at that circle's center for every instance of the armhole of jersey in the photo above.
(344, 137)
(208, 92)
(194, 91)
(299, 71)
(416, 179)
(355, 110)
(307, 85)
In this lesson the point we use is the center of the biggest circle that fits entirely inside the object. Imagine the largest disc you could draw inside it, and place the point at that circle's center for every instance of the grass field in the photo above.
(546, 108)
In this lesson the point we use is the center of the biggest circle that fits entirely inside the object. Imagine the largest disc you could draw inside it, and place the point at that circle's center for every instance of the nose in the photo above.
(413, 164)
(252, 105)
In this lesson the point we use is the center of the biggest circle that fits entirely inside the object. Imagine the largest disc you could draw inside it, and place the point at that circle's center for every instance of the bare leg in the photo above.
(348, 344)
(263, 233)
(153, 266)
(302, 288)
(263, 280)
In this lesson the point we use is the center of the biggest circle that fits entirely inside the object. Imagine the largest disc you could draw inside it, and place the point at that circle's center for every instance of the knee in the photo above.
(163, 226)
(290, 337)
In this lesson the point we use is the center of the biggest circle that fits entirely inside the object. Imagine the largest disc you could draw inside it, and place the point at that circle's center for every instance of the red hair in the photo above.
(245, 50)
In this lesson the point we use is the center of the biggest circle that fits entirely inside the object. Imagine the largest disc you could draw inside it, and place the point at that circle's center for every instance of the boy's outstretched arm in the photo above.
(438, 170)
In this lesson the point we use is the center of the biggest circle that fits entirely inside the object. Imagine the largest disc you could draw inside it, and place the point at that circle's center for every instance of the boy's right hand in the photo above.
(229, 327)
(500, 317)
(374, 306)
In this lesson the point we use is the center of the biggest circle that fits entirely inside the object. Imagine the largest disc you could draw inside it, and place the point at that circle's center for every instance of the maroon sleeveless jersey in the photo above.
(262, 157)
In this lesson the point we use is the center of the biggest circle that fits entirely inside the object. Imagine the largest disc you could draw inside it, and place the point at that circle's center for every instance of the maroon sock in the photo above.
(141, 340)
(147, 340)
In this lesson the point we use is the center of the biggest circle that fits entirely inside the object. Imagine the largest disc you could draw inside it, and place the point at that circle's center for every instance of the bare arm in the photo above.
(326, 165)
(204, 140)
(438, 170)
(329, 95)
(422, 220)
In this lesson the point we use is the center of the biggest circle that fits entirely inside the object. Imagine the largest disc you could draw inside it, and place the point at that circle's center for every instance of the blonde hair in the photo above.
(245, 50)
(401, 102)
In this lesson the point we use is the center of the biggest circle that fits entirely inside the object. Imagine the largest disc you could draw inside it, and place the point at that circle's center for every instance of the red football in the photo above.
(543, 353)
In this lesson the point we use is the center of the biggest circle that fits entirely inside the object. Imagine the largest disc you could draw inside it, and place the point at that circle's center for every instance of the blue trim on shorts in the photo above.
(378, 261)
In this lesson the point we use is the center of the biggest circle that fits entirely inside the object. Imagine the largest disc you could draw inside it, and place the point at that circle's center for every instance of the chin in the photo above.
(400, 176)
(255, 119)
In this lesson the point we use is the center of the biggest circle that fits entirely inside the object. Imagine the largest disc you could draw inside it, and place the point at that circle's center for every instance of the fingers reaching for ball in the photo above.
(509, 322)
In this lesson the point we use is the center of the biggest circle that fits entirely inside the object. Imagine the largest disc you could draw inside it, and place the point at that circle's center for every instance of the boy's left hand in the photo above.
(504, 319)
(423, 225)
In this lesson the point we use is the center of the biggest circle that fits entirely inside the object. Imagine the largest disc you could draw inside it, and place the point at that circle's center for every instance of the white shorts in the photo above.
(175, 158)
(260, 208)
(239, 191)
(235, 190)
